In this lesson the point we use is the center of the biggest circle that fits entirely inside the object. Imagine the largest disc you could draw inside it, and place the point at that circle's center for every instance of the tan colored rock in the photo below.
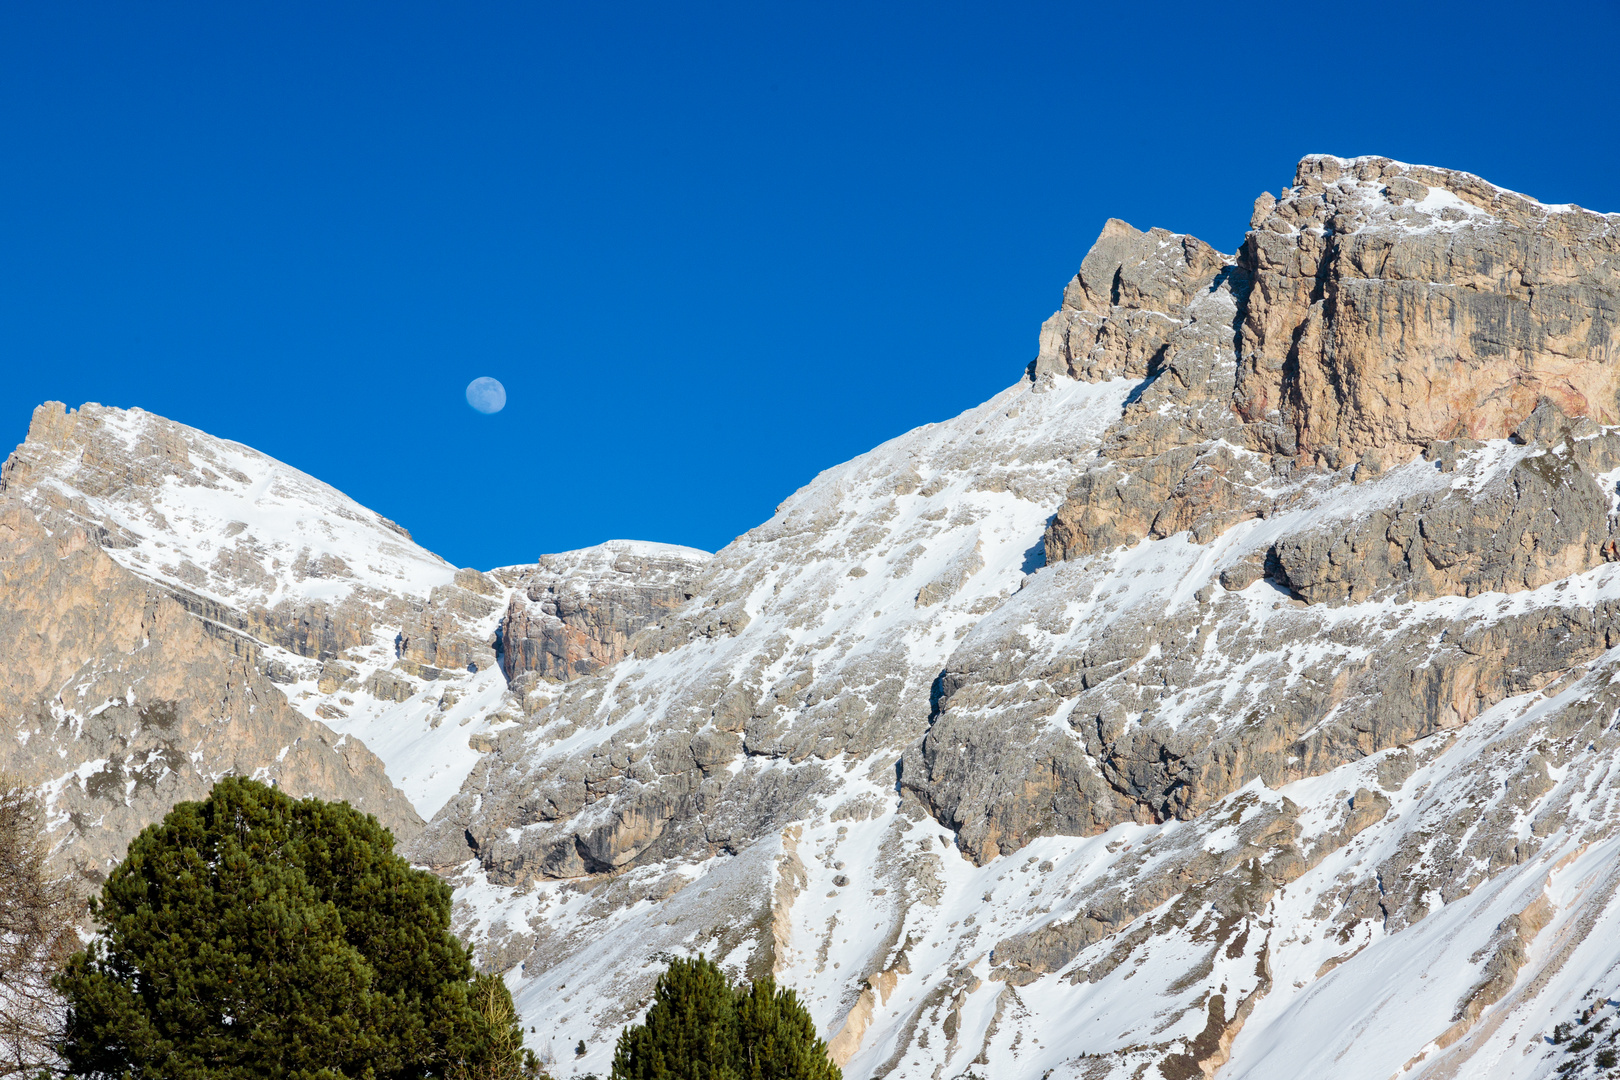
(435, 635)
(1396, 305)
(576, 612)
(1175, 460)
(996, 769)
(1129, 296)
(1545, 519)
(118, 703)
(1379, 308)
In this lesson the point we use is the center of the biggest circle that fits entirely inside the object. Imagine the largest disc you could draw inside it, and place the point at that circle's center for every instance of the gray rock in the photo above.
(577, 612)
(119, 703)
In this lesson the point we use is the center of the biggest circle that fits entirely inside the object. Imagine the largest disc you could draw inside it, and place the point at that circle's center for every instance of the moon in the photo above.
(487, 395)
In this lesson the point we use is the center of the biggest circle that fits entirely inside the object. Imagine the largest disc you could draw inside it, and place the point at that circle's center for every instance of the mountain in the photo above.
(1234, 694)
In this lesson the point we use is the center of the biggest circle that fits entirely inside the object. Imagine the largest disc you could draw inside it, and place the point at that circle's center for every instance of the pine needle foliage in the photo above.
(507, 1060)
(777, 1039)
(701, 1027)
(252, 935)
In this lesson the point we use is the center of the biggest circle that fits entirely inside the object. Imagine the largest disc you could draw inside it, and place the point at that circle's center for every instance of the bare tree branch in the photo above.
(37, 916)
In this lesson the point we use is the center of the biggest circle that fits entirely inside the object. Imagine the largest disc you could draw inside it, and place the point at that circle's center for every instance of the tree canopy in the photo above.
(701, 1027)
(254, 935)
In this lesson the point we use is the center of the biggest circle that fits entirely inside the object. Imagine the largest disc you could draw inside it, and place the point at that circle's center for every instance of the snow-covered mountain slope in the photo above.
(213, 516)
(783, 693)
(366, 632)
(1170, 945)
(1074, 820)
(1234, 695)
(314, 587)
(807, 653)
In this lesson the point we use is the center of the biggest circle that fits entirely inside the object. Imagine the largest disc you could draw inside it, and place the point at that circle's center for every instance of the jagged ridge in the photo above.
(1257, 644)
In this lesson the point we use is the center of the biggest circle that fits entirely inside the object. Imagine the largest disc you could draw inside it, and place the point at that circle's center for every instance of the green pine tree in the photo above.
(776, 1037)
(690, 1031)
(253, 935)
(701, 1027)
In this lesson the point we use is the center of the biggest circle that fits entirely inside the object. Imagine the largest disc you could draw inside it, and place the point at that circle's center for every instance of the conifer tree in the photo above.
(776, 1037)
(690, 1032)
(701, 1027)
(253, 935)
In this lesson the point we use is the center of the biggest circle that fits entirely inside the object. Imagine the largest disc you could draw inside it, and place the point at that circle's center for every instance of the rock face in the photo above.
(436, 637)
(1543, 519)
(176, 505)
(1235, 695)
(119, 703)
(575, 613)
(292, 616)
(1377, 308)
(1397, 305)
(1129, 297)
(1377, 312)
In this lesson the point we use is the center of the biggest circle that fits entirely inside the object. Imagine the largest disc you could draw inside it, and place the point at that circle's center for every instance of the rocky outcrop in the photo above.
(1130, 295)
(1378, 308)
(1396, 305)
(1545, 518)
(1174, 462)
(1139, 718)
(435, 636)
(575, 613)
(1376, 312)
(118, 704)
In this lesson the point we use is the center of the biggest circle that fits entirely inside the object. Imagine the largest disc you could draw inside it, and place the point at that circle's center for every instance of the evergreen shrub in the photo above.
(254, 935)
(701, 1027)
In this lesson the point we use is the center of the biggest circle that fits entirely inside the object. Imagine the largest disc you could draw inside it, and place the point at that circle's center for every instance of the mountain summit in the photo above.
(1234, 694)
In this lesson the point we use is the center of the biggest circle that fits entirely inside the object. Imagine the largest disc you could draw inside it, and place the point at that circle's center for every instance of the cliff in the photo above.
(1234, 694)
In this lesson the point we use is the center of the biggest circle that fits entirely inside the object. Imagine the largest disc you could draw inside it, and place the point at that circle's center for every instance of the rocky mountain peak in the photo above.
(1373, 310)
(218, 521)
(1395, 305)
(1130, 294)
(1234, 695)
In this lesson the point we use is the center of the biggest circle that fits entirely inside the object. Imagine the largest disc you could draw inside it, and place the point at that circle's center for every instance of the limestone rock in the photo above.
(1376, 308)
(1545, 518)
(1120, 309)
(1395, 305)
(119, 704)
(575, 613)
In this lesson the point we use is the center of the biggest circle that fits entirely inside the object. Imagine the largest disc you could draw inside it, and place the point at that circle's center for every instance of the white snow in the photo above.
(965, 503)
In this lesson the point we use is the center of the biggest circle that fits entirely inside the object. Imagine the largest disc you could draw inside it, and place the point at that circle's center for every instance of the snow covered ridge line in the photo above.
(1416, 172)
(211, 515)
(363, 630)
(1357, 585)
(1140, 721)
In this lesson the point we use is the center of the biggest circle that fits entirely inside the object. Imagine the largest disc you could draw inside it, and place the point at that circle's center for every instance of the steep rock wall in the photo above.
(118, 704)
(1396, 305)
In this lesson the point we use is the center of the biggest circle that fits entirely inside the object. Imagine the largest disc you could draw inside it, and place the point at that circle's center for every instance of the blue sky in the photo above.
(710, 249)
